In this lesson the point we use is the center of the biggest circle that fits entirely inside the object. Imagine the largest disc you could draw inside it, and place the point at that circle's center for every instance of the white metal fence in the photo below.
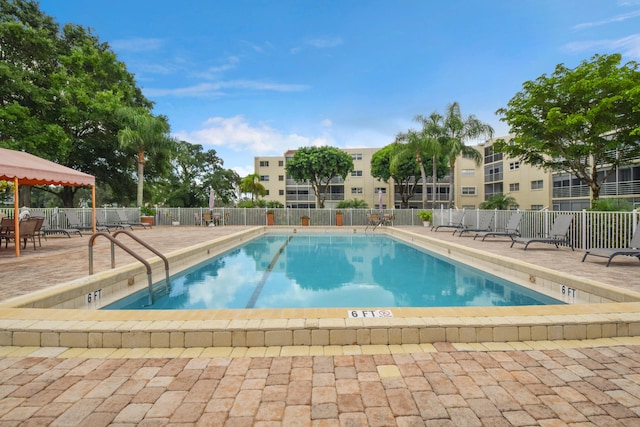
(588, 229)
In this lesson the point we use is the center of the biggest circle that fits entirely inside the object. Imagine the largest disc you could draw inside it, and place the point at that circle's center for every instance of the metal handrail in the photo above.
(114, 242)
(155, 251)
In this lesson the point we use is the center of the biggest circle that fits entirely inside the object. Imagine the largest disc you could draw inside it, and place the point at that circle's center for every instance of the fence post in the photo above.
(634, 216)
(584, 229)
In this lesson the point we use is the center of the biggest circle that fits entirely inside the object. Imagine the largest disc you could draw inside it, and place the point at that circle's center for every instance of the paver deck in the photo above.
(573, 383)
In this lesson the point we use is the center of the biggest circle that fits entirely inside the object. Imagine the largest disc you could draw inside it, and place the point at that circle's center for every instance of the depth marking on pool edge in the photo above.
(369, 313)
(259, 286)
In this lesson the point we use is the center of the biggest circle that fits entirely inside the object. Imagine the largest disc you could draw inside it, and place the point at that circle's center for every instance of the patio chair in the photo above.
(74, 222)
(457, 222)
(484, 224)
(373, 220)
(557, 235)
(633, 250)
(511, 230)
(124, 221)
(27, 231)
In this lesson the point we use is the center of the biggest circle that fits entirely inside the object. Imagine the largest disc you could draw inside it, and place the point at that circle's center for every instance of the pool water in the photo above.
(353, 271)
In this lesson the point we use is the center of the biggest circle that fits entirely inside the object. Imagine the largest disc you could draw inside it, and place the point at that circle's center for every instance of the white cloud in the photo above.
(214, 72)
(236, 134)
(327, 123)
(137, 44)
(319, 43)
(628, 46)
(323, 43)
(618, 18)
(218, 88)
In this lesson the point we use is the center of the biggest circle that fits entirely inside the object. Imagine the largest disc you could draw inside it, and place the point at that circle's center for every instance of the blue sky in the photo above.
(258, 77)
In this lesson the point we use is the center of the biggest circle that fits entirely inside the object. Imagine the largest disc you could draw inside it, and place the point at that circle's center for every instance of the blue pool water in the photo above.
(351, 271)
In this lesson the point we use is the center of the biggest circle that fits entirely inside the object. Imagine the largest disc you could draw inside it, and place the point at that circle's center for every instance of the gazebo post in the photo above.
(16, 219)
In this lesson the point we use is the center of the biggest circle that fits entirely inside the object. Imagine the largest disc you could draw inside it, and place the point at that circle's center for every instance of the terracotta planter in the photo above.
(147, 220)
(270, 218)
(339, 218)
(305, 221)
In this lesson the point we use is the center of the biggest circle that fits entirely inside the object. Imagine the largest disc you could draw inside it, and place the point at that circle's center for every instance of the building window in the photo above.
(280, 177)
(537, 207)
(356, 190)
(514, 187)
(281, 192)
(357, 156)
(514, 165)
(356, 173)
(264, 163)
(267, 193)
(468, 172)
(280, 162)
(537, 185)
(264, 177)
(468, 191)
(378, 189)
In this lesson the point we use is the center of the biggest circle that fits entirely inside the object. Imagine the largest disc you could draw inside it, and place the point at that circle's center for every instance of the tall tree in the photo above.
(144, 134)
(433, 131)
(458, 129)
(584, 120)
(195, 172)
(59, 93)
(319, 165)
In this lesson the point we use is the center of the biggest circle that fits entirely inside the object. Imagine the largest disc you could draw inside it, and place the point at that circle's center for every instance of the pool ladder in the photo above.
(114, 242)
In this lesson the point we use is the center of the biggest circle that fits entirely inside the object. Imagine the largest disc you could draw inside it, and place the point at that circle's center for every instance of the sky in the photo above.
(258, 77)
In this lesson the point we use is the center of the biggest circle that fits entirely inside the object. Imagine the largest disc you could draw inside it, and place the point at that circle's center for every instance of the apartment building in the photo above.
(474, 183)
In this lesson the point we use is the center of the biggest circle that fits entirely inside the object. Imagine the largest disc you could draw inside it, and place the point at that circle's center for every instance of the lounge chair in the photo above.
(101, 219)
(484, 224)
(74, 222)
(557, 235)
(124, 221)
(633, 250)
(511, 230)
(457, 222)
(45, 230)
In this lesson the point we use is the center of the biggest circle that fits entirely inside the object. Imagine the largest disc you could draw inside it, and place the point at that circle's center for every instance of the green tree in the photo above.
(499, 201)
(456, 130)
(144, 134)
(353, 204)
(433, 131)
(251, 184)
(319, 165)
(59, 93)
(194, 173)
(584, 120)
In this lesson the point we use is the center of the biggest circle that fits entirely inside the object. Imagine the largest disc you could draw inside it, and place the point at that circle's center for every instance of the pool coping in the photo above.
(64, 327)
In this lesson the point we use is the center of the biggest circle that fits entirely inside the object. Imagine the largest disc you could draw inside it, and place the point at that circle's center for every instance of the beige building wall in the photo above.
(469, 191)
(272, 176)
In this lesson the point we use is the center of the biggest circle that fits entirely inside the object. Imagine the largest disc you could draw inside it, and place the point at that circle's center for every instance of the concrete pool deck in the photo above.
(515, 382)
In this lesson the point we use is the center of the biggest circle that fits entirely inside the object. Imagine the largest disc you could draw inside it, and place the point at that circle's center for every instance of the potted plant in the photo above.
(305, 220)
(147, 215)
(339, 217)
(426, 217)
(270, 217)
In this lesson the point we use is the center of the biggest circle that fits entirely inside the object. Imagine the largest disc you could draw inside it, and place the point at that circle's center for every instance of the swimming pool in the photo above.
(354, 271)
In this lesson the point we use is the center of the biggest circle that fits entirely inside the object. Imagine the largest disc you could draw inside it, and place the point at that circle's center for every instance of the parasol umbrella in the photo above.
(379, 199)
(212, 197)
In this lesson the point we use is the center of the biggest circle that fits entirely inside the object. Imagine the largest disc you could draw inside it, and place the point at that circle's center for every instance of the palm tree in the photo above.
(251, 184)
(144, 133)
(417, 144)
(499, 201)
(457, 130)
(433, 130)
